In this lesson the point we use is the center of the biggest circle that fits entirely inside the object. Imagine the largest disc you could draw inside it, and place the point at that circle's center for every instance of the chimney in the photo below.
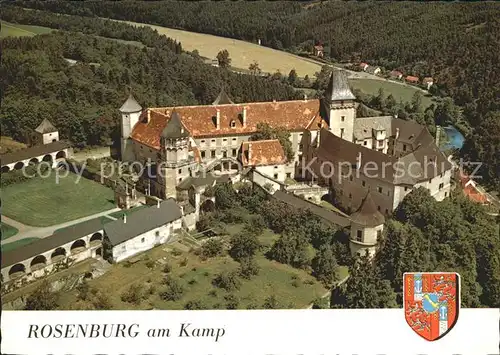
(244, 116)
(358, 161)
(249, 153)
(158, 203)
(397, 133)
(124, 218)
(274, 100)
(305, 97)
(148, 118)
(217, 119)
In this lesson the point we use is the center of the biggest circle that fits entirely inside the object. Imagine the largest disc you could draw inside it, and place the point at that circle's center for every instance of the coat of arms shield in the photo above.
(431, 302)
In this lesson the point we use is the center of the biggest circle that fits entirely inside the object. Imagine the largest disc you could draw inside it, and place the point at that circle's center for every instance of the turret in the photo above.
(367, 225)
(46, 132)
(130, 111)
(340, 104)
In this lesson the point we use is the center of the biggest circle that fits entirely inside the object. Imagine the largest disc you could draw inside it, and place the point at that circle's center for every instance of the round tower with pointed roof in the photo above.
(131, 112)
(340, 104)
(174, 161)
(367, 225)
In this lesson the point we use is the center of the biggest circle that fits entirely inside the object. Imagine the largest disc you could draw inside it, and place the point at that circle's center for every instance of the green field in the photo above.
(17, 244)
(293, 288)
(399, 91)
(43, 202)
(17, 30)
(8, 231)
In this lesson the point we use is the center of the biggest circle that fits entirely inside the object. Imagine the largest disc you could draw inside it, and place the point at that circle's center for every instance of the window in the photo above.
(157, 233)
(275, 176)
(234, 152)
(301, 146)
(406, 188)
(441, 175)
(203, 154)
(289, 175)
(142, 240)
(180, 179)
(180, 171)
(142, 147)
(386, 211)
(342, 118)
(378, 208)
(445, 194)
(404, 147)
(350, 196)
(430, 180)
(234, 140)
(363, 183)
(359, 236)
(224, 140)
(224, 154)
(441, 185)
(276, 166)
(233, 124)
(341, 133)
(213, 141)
(212, 153)
(151, 151)
(379, 189)
(202, 141)
(365, 142)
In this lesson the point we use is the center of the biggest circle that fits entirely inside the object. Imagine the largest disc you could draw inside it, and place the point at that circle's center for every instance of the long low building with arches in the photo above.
(50, 153)
(64, 248)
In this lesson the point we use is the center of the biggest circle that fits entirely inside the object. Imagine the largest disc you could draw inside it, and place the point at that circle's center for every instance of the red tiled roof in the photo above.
(473, 194)
(396, 73)
(363, 64)
(412, 78)
(200, 120)
(265, 152)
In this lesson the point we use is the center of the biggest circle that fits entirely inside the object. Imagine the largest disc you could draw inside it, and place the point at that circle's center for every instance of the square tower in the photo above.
(341, 108)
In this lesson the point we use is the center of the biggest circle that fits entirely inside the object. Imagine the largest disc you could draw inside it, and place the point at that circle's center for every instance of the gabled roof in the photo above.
(174, 128)
(64, 236)
(223, 98)
(34, 151)
(412, 78)
(142, 221)
(265, 152)
(338, 87)
(45, 127)
(199, 120)
(367, 214)
(131, 105)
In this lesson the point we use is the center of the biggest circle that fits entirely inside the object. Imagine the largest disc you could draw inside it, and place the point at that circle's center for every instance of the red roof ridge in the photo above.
(158, 109)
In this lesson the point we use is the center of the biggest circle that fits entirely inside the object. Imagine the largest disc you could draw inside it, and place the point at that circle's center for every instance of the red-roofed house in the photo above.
(363, 66)
(412, 79)
(396, 74)
(266, 156)
(319, 50)
(470, 190)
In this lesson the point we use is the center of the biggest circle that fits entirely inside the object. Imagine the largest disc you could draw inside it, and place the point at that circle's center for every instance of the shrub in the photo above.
(132, 295)
(232, 301)
(174, 291)
(194, 305)
(227, 280)
(212, 293)
(167, 268)
(43, 298)
(212, 248)
(150, 264)
(248, 268)
(271, 303)
(244, 245)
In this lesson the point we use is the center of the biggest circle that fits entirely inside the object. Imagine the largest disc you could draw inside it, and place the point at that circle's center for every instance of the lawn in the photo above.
(43, 202)
(292, 287)
(399, 91)
(7, 145)
(17, 30)
(8, 231)
(18, 243)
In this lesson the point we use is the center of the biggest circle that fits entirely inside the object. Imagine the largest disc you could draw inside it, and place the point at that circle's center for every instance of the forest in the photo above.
(82, 100)
(457, 43)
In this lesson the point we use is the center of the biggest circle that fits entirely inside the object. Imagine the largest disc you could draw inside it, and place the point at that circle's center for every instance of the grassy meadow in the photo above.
(44, 202)
(8, 231)
(17, 30)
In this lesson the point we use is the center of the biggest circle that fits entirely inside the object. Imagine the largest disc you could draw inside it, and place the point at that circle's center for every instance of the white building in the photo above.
(142, 230)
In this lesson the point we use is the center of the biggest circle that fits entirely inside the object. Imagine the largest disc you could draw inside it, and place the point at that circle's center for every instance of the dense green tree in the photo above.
(43, 298)
(223, 58)
(244, 245)
(324, 265)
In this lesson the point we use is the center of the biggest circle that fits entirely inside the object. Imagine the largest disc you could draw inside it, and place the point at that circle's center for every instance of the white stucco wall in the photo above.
(145, 241)
(276, 172)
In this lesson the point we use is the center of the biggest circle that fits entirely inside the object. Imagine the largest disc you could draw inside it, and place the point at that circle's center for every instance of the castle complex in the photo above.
(369, 164)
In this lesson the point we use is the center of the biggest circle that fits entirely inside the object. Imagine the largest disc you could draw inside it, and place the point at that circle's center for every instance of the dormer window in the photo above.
(233, 123)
